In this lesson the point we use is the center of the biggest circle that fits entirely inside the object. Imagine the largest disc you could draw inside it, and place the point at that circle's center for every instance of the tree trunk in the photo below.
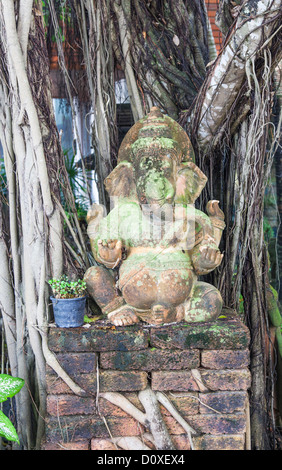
(33, 162)
(163, 50)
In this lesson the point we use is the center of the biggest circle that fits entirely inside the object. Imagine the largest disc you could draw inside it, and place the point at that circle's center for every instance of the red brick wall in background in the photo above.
(212, 6)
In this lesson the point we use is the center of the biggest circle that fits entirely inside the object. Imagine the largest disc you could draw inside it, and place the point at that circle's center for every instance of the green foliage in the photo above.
(267, 230)
(3, 179)
(9, 386)
(63, 13)
(272, 304)
(77, 185)
(64, 288)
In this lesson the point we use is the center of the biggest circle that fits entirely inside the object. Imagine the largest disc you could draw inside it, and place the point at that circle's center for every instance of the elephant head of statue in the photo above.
(156, 164)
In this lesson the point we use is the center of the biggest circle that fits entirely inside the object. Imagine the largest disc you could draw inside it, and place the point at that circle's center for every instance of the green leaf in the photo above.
(7, 429)
(9, 386)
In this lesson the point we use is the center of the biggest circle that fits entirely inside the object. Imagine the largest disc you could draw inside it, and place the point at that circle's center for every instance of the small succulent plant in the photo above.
(64, 288)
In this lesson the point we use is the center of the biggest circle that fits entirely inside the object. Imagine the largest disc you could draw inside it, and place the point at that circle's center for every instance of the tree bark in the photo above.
(32, 167)
(257, 24)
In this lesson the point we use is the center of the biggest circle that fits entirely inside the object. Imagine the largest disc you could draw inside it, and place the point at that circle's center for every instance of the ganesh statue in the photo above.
(154, 244)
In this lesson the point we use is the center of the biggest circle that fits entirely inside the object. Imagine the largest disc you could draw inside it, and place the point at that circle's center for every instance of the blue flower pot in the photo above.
(69, 313)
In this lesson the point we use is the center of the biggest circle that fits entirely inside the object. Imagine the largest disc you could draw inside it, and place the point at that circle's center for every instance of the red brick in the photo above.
(150, 359)
(111, 380)
(80, 445)
(218, 423)
(102, 444)
(225, 333)
(122, 381)
(107, 408)
(225, 359)
(173, 380)
(181, 442)
(224, 442)
(77, 428)
(98, 337)
(223, 402)
(63, 405)
(226, 379)
(76, 363)
(173, 426)
(186, 403)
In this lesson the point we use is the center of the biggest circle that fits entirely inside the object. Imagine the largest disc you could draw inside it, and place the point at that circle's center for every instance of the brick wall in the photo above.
(202, 368)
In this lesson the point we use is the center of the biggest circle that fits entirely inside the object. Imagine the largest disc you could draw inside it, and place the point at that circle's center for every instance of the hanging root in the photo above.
(151, 419)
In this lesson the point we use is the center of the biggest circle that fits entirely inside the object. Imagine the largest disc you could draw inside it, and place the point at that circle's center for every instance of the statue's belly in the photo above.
(149, 278)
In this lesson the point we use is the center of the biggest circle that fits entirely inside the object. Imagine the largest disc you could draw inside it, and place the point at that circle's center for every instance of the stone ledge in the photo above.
(226, 333)
(98, 337)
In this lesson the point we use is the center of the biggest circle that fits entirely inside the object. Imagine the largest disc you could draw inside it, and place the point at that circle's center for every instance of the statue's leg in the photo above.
(101, 286)
(205, 303)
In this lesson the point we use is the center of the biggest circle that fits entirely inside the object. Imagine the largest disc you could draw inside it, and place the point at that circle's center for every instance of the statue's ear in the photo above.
(121, 181)
(190, 181)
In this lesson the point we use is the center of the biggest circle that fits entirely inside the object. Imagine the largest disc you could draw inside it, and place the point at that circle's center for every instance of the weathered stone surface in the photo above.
(234, 423)
(212, 380)
(102, 444)
(186, 403)
(98, 338)
(121, 381)
(158, 179)
(150, 359)
(225, 359)
(223, 402)
(107, 408)
(77, 445)
(74, 428)
(225, 442)
(237, 379)
(76, 363)
(56, 386)
(181, 442)
(173, 380)
(220, 334)
(63, 405)
(173, 425)
(68, 428)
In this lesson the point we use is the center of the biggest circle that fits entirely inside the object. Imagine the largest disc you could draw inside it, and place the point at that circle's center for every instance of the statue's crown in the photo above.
(155, 125)
(156, 129)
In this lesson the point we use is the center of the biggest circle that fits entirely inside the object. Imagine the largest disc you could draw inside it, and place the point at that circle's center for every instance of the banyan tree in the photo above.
(226, 100)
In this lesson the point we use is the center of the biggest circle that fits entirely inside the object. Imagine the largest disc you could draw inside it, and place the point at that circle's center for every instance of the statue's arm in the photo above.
(205, 255)
(104, 236)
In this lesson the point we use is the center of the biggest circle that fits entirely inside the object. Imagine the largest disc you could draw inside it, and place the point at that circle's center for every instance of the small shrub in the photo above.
(64, 288)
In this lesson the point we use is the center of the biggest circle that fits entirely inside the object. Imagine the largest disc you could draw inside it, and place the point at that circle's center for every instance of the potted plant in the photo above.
(68, 301)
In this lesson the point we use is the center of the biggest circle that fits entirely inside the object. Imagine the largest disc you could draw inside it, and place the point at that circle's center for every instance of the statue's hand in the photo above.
(210, 259)
(94, 212)
(94, 216)
(110, 252)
